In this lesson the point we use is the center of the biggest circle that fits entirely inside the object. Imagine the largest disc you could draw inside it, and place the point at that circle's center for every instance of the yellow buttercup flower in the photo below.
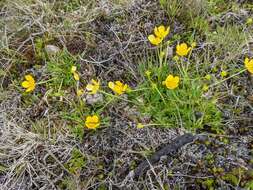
(176, 58)
(118, 87)
(162, 54)
(205, 88)
(161, 31)
(93, 87)
(223, 74)
(73, 69)
(249, 21)
(249, 64)
(29, 83)
(79, 92)
(75, 74)
(193, 44)
(92, 122)
(171, 82)
(148, 73)
(182, 49)
(140, 126)
(208, 77)
(154, 40)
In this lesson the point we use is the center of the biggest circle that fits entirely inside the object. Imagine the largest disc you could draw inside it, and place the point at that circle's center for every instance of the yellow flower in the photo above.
(93, 87)
(118, 87)
(249, 21)
(193, 44)
(205, 88)
(73, 69)
(249, 64)
(154, 40)
(79, 92)
(148, 73)
(140, 125)
(162, 54)
(171, 82)
(75, 74)
(29, 83)
(208, 77)
(176, 58)
(92, 122)
(182, 49)
(161, 31)
(223, 74)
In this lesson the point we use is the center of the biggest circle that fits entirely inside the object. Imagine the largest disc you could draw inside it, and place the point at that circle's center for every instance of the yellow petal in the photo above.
(172, 82)
(159, 32)
(111, 85)
(125, 87)
(95, 82)
(88, 118)
(246, 61)
(118, 83)
(167, 31)
(183, 46)
(92, 122)
(29, 89)
(170, 77)
(89, 87)
(154, 40)
(193, 44)
(25, 84)
(76, 76)
(79, 92)
(176, 79)
(30, 79)
(73, 69)
(182, 49)
(95, 119)
(140, 125)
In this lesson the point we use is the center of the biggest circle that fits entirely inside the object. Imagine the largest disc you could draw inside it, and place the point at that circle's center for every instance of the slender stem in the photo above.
(141, 89)
(228, 78)
(107, 103)
(116, 96)
(160, 95)
(156, 124)
(43, 82)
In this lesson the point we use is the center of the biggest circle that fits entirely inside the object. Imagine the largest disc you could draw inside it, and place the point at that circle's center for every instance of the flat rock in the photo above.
(52, 49)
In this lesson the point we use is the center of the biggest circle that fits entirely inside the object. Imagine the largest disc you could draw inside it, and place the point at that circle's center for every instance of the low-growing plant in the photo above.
(59, 68)
(76, 162)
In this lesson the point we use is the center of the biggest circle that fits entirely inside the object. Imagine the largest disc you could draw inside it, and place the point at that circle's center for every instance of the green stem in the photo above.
(141, 89)
(160, 94)
(107, 104)
(228, 78)
(116, 96)
(156, 124)
(43, 82)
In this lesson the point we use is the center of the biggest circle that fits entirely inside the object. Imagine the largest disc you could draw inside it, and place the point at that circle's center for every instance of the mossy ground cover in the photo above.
(100, 95)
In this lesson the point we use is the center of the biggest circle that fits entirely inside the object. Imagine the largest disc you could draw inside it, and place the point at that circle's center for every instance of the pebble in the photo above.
(51, 49)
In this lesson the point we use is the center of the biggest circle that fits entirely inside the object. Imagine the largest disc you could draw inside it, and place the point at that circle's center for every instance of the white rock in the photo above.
(93, 99)
(52, 49)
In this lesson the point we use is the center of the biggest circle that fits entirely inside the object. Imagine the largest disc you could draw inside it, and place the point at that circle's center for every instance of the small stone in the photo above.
(92, 99)
(51, 49)
(169, 52)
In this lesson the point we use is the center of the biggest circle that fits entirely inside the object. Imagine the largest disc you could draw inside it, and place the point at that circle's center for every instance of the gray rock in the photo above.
(51, 49)
(92, 99)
